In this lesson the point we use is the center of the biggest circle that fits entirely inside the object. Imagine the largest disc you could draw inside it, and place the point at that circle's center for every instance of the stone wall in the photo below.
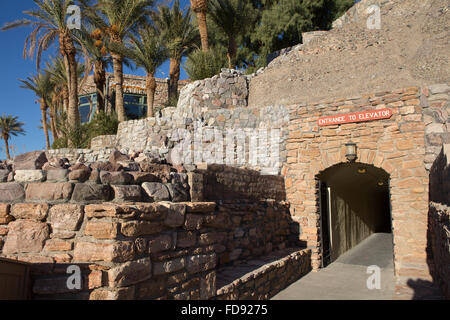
(229, 89)
(222, 182)
(262, 279)
(138, 250)
(396, 145)
(439, 233)
(89, 155)
(201, 121)
(133, 234)
(435, 102)
(104, 142)
(439, 220)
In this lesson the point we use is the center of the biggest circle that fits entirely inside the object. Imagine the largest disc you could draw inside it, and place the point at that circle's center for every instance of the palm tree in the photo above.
(200, 7)
(180, 37)
(9, 126)
(230, 16)
(50, 25)
(95, 44)
(55, 66)
(42, 85)
(148, 52)
(117, 19)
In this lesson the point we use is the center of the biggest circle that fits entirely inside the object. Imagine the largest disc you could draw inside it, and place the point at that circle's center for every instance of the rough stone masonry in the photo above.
(141, 228)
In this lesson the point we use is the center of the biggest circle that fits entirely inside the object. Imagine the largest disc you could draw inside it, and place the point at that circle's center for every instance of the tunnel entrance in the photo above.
(354, 204)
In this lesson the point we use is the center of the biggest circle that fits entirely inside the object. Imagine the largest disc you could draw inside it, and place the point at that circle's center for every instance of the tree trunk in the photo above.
(100, 80)
(151, 89)
(53, 108)
(65, 93)
(8, 156)
(174, 77)
(73, 114)
(44, 122)
(68, 51)
(53, 123)
(118, 79)
(231, 55)
(203, 29)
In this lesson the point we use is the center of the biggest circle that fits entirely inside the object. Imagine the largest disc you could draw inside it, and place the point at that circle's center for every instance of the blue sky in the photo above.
(20, 102)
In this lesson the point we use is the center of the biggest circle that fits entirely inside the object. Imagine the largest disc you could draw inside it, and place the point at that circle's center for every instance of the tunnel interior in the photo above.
(354, 204)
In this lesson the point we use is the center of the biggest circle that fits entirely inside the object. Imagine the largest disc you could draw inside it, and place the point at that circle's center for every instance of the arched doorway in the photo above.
(354, 205)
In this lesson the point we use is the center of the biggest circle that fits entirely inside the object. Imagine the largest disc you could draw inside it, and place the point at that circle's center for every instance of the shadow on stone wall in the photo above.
(222, 182)
(226, 183)
(438, 254)
(440, 179)
(424, 290)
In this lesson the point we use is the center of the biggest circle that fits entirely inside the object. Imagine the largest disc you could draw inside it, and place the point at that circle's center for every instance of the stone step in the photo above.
(264, 277)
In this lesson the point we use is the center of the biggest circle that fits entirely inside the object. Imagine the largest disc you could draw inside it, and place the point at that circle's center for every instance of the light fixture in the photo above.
(380, 183)
(350, 149)
(362, 170)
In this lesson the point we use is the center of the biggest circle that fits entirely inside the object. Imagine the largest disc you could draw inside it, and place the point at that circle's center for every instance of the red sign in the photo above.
(355, 117)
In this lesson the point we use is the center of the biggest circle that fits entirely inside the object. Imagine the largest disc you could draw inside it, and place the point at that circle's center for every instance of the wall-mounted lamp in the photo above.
(350, 149)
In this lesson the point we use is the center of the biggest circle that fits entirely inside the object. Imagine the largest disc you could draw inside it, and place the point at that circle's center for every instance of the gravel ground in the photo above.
(411, 49)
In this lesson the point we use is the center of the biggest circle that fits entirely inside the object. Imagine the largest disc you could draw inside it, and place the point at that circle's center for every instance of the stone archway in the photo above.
(409, 201)
(354, 205)
(395, 145)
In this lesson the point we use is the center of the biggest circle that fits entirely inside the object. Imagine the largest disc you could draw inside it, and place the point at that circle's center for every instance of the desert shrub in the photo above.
(201, 65)
(81, 136)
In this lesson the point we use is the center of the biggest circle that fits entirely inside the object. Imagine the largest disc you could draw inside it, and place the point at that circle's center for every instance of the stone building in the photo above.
(135, 97)
(339, 138)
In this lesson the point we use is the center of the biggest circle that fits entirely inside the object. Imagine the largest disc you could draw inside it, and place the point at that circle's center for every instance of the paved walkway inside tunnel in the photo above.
(346, 278)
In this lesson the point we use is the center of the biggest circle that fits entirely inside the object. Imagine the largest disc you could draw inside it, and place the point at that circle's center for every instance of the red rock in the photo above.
(159, 244)
(32, 211)
(176, 215)
(49, 191)
(30, 161)
(130, 273)
(127, 193)
(108, 252)
(200, 263)
(110, 210)
(171, 266)
(186, 239)
(106, 166)
(66, 216)
(95, 279)
(201, 207)
(80, 175)
(11, 192)
(116, 156)
(101, 229)
(3, 230)
(116, 294)
(4, 209)
(58, 245)
(162, 171)
(26, 236)
(139, 228)
(91, 192)
(116, 178)
(151, 211)
(141, 177)
(62, 258)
